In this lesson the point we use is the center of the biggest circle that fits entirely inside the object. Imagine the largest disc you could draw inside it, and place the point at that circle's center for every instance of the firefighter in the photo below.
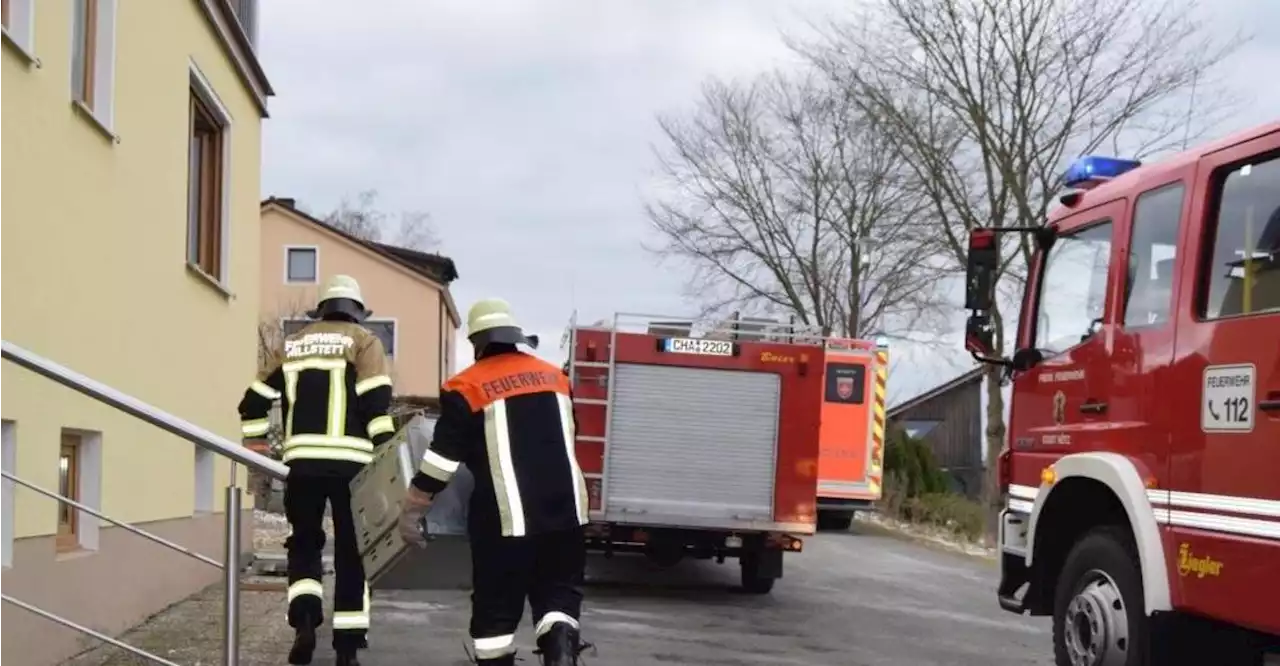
(509, 419)
(333, 383)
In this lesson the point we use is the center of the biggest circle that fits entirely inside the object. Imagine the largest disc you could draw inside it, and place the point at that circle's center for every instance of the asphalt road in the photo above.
(848, 600)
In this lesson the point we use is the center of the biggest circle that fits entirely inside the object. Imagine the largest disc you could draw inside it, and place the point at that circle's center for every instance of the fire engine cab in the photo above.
(1141, 474)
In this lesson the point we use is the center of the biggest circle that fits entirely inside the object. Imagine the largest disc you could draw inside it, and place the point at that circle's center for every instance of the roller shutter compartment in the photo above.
(692, 443)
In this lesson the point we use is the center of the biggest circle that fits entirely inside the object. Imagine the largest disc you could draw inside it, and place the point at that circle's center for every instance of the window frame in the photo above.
(395, 333)
(934, 423)
(19, 28)
(1042, 259)
(205, 105)
(1126, 289)
(86, 12)
(94, 93)
(67, 536)
(315, 253)
(1208, 232)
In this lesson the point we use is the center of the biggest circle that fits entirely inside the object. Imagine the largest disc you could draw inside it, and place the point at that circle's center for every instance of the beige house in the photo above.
(131, 150)
(408, 291)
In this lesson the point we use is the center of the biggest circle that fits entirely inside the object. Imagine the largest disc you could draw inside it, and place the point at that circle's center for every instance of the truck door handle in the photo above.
(1093, 407)
(1270, 404)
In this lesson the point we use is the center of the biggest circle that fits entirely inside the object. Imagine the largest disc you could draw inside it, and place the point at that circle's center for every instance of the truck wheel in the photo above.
(753, 580)
(1098, 614)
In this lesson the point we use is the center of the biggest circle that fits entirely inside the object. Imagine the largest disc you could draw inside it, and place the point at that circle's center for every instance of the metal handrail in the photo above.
(135, 407)
(118, 523)
(188, 431)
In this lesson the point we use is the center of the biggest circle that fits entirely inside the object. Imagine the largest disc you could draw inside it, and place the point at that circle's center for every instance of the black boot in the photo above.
(304, 645)
(347, 658)
(560, 646)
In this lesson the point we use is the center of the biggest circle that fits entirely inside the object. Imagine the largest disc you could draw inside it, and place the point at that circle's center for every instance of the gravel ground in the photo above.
(270, 530)
(190, 632)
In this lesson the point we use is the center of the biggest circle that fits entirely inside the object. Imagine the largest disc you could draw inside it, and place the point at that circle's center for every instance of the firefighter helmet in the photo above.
(490, 321)
(341, 297)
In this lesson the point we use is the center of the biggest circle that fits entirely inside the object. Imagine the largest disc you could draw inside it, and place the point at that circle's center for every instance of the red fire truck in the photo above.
(1142, 471)
(851, 442)
(704, 443)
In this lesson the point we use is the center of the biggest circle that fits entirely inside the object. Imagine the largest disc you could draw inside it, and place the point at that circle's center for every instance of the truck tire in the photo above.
(1098, 614)
(753, 580)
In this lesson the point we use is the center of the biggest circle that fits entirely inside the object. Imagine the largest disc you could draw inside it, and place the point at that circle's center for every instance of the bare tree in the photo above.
(362, 218)
(783, 200)
(986, 101)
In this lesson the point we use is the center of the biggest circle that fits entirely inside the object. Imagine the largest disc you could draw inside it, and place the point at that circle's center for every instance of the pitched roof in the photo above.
(437, 268)
(974, 375)
(440, 266)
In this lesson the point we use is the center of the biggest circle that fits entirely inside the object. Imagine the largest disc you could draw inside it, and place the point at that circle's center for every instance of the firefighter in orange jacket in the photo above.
(509, 418)
(335, 390)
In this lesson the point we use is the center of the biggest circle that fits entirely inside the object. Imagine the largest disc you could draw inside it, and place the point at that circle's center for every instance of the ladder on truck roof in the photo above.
(732, 329)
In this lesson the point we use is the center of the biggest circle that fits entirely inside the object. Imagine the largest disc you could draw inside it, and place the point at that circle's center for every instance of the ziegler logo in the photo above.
(1189, 564)
(770, 357)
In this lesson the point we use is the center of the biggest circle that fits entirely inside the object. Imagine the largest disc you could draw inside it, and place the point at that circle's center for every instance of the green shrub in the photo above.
(911, 460)
(916, 489)
(954, 513)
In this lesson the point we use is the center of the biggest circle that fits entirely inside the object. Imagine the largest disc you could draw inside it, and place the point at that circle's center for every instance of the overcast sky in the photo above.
(525, 128)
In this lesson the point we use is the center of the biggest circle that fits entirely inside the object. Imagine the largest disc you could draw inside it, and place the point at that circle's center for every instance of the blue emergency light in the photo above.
(1095, 168)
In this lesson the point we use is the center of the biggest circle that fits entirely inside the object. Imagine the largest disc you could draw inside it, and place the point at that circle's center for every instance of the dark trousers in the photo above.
(304, 502)
(547, 569)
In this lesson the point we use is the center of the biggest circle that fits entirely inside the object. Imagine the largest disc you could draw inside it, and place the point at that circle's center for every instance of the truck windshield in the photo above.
(1072, 288)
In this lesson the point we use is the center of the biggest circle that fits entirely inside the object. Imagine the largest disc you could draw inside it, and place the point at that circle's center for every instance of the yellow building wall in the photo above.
(391, 291)
(94, 271)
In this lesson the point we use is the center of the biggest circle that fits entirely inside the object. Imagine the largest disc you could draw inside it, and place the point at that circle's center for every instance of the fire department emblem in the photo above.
(844, 387)
(1059, 407)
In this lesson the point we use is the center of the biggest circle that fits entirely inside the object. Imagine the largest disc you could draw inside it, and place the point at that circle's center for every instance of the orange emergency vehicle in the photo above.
(703, 441)
(851, 441)
(1142, 471)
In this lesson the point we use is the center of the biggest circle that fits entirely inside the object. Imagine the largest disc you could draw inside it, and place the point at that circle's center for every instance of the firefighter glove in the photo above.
(413, 509)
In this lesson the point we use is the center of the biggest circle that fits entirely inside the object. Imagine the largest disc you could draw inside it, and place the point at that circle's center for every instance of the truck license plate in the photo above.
(695, 346)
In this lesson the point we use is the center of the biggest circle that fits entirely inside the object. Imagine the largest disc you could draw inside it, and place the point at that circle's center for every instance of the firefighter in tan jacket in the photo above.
(334, 386)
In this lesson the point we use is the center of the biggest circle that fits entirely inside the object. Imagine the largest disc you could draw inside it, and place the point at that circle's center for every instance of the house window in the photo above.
(918, 428)
(92, 56)
(84, 50)
(206, 228)
(69, 487)
(292, 326)
(8, 434)
(18, 25)
(385, 329)
(302, 264)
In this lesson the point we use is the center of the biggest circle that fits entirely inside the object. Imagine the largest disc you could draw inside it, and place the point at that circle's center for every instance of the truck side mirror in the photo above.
(980, 271)
(978, 336)
(1026, 359)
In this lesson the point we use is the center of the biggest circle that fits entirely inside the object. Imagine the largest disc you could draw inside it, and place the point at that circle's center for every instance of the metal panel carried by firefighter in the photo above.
(376, 491)
(692, 446)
